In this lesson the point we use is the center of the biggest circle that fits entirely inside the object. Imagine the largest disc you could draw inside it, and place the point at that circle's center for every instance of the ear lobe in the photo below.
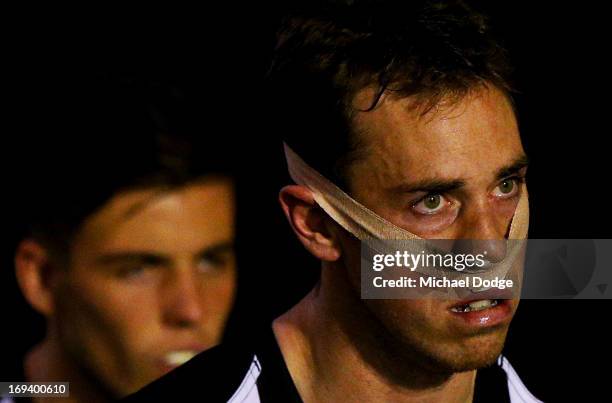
(32, 271)
(309, 222)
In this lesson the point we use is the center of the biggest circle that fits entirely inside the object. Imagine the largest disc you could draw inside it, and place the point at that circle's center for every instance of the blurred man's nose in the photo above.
(182, 305)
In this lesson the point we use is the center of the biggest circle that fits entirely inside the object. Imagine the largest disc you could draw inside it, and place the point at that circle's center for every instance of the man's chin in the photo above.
(477, 352)
(471, 363)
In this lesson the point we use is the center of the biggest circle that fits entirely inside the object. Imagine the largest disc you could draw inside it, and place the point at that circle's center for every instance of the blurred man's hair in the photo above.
(92, 137)
(327, 51)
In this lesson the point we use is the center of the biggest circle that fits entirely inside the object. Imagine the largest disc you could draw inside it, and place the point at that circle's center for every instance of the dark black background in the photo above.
(560, 348)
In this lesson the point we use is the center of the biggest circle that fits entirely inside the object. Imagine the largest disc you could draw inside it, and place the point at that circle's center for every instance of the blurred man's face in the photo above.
(151, 282)
(454, 173)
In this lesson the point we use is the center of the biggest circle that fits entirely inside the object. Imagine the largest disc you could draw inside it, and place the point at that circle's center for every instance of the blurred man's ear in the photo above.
(310, 223)
(33, 272)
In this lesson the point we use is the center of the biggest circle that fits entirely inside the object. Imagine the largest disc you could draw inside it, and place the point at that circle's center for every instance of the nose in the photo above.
(182, 302)
(493, 250)
(483, 231)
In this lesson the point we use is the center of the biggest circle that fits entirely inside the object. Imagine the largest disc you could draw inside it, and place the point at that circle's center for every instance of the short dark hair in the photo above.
(92, 136)
(326, 53)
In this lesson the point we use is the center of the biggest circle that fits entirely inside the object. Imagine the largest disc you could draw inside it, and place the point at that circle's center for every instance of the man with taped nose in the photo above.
(398, 123)
(454, 171)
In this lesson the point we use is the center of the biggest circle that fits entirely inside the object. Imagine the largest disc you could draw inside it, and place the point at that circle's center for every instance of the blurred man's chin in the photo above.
(119, 384)
(136, 384)
(127, 389)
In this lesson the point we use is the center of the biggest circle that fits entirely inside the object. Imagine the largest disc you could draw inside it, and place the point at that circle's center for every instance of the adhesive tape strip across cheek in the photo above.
(362, 222)
(371, 228)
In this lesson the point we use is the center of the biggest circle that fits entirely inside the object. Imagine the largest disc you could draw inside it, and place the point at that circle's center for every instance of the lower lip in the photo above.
(499, 314)
(165, 367)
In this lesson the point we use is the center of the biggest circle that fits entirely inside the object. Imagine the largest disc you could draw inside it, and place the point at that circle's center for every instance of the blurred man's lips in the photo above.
(482, 313)
(175, 358)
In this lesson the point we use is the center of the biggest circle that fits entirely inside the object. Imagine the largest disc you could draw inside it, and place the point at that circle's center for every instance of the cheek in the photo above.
(433, 226)
(218, 298)
(111, 318)
(505, 209)
(508, 207)
(351, 258)
(413, 320)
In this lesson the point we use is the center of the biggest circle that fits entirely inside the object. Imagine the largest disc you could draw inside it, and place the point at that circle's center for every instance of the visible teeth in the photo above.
(476, 306)
(177, 358)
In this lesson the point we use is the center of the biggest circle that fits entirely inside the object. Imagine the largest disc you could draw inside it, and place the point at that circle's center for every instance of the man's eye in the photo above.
(430, 204)
(212, 264)
(507, 188)
(134, 271)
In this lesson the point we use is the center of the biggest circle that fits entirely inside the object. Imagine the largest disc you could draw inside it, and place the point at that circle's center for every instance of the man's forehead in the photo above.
(163, 220)
(473, 136)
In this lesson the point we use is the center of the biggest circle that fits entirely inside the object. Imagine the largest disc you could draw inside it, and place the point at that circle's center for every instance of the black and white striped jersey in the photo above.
(256, 373)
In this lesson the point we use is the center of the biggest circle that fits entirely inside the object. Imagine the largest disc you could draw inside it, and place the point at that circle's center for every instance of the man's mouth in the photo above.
(481, 313)
(475, 306)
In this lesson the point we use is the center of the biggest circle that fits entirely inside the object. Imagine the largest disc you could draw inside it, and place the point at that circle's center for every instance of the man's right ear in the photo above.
(33, 272)
(309, 222)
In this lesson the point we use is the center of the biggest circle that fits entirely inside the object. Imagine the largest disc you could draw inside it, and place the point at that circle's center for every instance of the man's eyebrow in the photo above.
(431, 186)
(511, 169)
(218, 248)
(155, 259)
(441, 186)
(138, 257)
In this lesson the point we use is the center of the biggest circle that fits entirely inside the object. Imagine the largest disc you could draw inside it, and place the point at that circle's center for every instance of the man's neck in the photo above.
(47, 362)
(335, 351)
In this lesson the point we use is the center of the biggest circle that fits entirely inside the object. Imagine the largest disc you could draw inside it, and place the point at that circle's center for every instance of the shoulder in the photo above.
(12, 370)
(219, 374)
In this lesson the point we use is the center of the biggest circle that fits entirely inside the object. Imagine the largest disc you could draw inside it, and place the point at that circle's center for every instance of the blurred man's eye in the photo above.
(136, 271)
(214, 262)
(430, 204)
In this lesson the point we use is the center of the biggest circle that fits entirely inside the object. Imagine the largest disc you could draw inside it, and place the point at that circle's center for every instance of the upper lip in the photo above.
(187, 347)
(493, 293)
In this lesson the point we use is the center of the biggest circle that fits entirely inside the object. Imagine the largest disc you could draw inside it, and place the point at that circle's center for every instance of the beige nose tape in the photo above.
(362, 222)
(368, 226)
